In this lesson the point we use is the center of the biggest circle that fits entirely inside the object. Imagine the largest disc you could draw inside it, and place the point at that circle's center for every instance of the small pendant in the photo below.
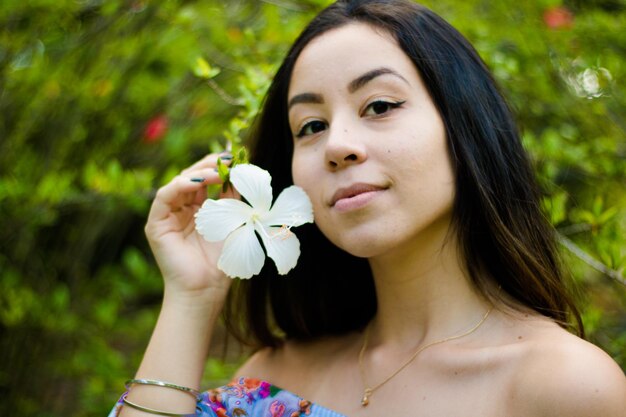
(366, 397)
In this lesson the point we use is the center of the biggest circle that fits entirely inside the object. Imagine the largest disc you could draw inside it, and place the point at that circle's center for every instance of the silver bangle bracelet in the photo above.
(152, 410)
(190, 391)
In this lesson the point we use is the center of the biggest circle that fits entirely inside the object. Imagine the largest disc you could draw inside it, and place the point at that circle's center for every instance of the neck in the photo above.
(424, 293)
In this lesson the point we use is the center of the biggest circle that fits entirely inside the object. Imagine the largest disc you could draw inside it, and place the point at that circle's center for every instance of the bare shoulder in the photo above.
(260, 364)
(295, 362)
(560, 374)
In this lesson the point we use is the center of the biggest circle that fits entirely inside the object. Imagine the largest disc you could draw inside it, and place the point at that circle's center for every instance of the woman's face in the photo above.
(369, 145)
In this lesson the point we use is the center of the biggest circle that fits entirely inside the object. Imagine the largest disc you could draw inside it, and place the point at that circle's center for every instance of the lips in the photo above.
(353, 191)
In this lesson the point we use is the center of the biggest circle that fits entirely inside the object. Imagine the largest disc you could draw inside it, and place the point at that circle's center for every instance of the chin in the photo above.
(362, 246)
(363, 239)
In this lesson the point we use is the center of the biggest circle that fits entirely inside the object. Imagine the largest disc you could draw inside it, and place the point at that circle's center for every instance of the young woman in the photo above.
(430, 283)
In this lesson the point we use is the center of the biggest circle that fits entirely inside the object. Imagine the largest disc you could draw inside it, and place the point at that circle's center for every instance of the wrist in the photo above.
(204, 303)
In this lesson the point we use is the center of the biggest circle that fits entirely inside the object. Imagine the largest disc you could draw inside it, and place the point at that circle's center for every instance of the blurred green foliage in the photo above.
(101, 102)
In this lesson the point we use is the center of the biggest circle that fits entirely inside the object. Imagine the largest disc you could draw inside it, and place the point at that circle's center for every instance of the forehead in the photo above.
(336, 57)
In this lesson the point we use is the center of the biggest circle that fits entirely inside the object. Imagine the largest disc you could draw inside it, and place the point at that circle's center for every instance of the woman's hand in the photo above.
(188, 262)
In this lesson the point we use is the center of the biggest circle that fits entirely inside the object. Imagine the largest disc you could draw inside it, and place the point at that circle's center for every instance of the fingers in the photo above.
(187, 189)
(230, 193)
(173, 197)
(209, 161)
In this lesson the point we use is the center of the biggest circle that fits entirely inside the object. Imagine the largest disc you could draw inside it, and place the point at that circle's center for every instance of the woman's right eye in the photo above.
(311, 128)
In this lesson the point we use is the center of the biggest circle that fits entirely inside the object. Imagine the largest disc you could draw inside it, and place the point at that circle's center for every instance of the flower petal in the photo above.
(216, 219)
(281, 245)
(292, 208)
(253, 183)
(242, 254)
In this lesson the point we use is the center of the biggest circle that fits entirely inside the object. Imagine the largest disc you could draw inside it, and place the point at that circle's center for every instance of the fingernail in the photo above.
(226, 156)
(216, 170)
(197, 180)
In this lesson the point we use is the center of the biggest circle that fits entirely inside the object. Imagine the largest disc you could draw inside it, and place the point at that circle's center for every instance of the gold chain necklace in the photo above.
(368, 391)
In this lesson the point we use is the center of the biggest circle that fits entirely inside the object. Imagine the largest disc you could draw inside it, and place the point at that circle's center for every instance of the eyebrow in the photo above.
(305, 98)
(353, 86)
(360, 82)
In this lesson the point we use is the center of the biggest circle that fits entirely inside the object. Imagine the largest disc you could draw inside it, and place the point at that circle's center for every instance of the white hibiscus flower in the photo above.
(242, 255)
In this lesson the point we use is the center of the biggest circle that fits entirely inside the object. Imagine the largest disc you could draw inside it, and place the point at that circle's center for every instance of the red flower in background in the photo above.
(155, 129)
(558, 17)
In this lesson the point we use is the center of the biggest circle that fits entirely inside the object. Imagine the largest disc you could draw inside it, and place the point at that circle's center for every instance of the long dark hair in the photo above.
(508, 246)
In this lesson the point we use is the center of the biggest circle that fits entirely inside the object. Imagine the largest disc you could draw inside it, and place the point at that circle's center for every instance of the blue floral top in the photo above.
(248, 397)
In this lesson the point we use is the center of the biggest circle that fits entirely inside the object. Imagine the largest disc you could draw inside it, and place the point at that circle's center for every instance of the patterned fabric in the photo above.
(248, 397)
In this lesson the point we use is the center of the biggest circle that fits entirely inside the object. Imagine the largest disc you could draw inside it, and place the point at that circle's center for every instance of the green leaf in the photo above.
(223, 170)
(242, 156)
(203, 69)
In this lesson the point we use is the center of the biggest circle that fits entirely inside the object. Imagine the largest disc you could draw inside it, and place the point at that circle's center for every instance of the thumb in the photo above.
(230, 192)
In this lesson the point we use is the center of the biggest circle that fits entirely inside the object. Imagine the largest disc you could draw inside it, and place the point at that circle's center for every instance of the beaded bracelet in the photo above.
(163, 384)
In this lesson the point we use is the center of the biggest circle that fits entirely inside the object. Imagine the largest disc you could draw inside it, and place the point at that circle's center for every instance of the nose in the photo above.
(344, 148)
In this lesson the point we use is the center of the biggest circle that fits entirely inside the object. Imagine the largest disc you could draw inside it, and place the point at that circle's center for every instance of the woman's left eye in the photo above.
(380, 107)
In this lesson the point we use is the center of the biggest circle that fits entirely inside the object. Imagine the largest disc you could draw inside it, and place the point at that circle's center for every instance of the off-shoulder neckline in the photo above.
(327, 412)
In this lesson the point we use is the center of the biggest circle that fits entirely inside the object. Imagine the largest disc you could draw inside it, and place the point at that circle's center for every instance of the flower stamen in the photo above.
(283, 233)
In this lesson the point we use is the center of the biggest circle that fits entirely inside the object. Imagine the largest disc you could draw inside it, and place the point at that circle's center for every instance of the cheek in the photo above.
(298, 170)
(307, 174)
(306, 167)
(303, 176)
